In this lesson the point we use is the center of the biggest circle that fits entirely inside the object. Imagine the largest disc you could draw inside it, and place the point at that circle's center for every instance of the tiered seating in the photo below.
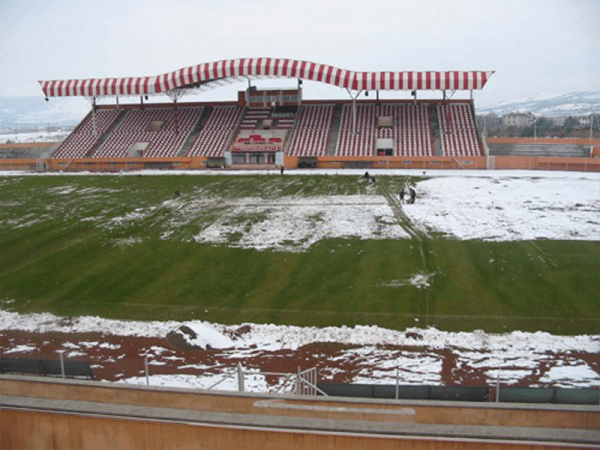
(311, 135)
(253, 117)
(83, 139)
(134, 128)
(457, 130)
(362, 142)
(216, 131)
(411, 131)
(285, 123)
(415, 133)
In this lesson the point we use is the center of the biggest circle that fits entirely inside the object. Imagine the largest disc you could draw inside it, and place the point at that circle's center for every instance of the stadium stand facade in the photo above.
(281, 121)
(364, 129)
(311, 134)
(458, 130)
(217, 130)
(160, 132)
(277, 127)
(87, 134)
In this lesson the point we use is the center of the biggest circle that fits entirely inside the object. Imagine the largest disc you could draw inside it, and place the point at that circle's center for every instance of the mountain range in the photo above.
(35, 113)
(550, 105)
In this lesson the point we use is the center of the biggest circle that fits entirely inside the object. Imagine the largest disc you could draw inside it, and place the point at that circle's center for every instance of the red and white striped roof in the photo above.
(266, 67)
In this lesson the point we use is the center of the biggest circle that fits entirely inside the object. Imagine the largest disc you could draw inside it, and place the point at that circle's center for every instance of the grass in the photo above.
(74, 254)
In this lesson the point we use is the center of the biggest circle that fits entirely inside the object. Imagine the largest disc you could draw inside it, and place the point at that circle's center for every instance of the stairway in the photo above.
(335, 129)
(187, 145)
(106, 135)
(435, 125)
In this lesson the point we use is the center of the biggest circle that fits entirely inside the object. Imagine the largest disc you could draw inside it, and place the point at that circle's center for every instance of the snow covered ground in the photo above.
(34, 136)
(487, 205)
(368, 354)
(510, 208)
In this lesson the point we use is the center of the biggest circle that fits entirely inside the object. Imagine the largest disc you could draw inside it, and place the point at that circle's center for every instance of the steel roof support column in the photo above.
(174, 95)
(92, 100)
(176, 116)
(353, 97)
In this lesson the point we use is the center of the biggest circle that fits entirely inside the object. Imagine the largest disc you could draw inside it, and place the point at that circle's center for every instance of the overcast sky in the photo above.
(533, 45)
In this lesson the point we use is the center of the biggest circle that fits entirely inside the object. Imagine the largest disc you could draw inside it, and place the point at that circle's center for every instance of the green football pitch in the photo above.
(107, 246)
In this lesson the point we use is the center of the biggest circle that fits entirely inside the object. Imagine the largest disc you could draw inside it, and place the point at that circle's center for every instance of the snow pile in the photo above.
(364, 354)
(46, 323)
(277, 337)
(203, 336)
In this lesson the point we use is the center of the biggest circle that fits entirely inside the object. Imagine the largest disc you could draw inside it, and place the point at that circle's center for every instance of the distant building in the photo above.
(519, 120)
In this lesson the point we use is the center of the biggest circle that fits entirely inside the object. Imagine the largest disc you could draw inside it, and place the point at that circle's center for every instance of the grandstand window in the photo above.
(238, 159)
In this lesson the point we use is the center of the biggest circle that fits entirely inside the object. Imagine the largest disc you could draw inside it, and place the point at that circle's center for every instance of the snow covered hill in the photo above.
(19, 113)
(550, 104)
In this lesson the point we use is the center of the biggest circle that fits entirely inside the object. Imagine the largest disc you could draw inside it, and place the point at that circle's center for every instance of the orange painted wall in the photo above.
(18, 164)
(28, 145)
(327, 162)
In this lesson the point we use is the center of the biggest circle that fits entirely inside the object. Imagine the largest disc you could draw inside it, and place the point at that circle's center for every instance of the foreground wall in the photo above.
(29, 429)
(67, 414)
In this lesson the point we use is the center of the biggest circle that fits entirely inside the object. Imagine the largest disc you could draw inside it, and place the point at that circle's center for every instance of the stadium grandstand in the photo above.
(272, 127)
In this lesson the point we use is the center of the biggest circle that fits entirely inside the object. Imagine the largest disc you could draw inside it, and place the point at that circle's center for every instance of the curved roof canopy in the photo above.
(205, 73)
